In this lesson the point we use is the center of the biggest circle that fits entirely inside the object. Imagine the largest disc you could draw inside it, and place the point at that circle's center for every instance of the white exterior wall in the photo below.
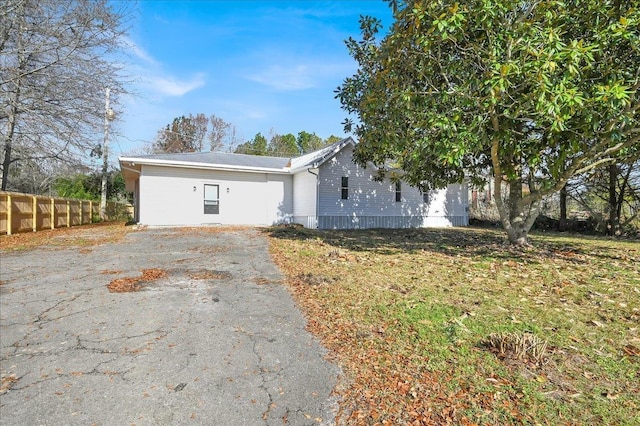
(305, 198)
(167, 197)
(372, 204)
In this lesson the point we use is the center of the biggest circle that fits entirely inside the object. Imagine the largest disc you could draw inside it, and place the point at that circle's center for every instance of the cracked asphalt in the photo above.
(218, 341)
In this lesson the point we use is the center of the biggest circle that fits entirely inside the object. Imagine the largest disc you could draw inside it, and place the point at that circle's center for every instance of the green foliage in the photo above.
(283, 146)
(309, 142)
(535, 92)
(332, 139)
(89, 186)
(256, 146)
(77, 187)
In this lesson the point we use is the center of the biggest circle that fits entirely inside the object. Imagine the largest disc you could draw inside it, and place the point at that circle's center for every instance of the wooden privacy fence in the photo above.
(26, 212)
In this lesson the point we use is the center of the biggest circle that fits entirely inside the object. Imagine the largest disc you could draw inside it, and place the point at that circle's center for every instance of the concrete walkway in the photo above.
(218, 341)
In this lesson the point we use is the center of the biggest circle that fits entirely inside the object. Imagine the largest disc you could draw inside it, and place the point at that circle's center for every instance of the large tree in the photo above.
(534, 92)
(256, 146)
(309, 142)
(184, 134)
(283, 145)
(57, 58)
(223, 135)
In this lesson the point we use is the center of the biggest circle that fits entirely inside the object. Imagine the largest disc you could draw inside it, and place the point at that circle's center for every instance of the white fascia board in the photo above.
(206, 166)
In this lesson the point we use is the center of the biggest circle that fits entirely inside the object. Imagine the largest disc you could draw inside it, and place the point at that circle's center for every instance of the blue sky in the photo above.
(260, 65)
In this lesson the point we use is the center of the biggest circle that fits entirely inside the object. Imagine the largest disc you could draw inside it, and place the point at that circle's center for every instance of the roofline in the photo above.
(192, 165)
(344, 142)
(209, 166)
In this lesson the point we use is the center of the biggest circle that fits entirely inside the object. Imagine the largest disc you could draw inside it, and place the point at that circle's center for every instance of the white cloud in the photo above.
(285, 78)
(173, 87)
(150, 73)
(139, 52)
(299, 76)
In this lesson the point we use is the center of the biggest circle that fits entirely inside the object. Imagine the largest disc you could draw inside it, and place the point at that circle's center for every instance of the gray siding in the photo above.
(372, 204)
(366, 197)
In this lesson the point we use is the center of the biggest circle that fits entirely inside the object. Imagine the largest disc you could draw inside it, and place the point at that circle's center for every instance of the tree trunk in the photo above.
(613, 225)
(8, 143)
(517, 215)
(562, 225)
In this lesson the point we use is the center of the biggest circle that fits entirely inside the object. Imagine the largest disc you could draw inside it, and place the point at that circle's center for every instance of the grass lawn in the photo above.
(452, 326)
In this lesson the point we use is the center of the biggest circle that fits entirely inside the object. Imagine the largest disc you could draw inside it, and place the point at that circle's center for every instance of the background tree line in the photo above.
(198, 133)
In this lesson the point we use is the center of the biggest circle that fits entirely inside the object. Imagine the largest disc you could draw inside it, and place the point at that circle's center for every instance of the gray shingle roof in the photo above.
(223, 159)
(242, 161)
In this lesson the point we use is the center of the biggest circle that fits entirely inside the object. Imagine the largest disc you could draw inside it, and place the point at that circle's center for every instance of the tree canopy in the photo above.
(530, 92)
(58, 56)
(184, 134)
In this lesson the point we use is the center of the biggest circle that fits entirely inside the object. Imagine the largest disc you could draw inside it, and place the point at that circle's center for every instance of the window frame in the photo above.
(426, 197)
(344, 188)
(398, 191)
(211, 205)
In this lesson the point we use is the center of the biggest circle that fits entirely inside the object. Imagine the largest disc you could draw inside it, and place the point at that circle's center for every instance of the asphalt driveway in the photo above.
(217, 341)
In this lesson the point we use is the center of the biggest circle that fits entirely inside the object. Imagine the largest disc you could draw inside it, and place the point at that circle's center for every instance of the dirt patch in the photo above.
(132, 284)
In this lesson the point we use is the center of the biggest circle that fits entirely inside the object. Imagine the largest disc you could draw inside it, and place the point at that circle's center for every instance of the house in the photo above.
(324, 189)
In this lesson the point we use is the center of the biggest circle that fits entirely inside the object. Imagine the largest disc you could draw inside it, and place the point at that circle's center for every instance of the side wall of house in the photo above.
(305, 186)
(372, 204)
(175, 196)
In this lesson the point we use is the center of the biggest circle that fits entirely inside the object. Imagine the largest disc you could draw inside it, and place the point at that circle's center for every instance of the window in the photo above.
(211, 199)
(345, 188)
(398, 192)
(425, 197)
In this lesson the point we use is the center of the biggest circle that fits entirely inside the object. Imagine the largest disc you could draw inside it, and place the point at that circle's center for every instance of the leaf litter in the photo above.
(133, 284)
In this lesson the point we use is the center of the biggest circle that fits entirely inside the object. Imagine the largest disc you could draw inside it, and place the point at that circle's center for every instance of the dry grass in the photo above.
(452, 326)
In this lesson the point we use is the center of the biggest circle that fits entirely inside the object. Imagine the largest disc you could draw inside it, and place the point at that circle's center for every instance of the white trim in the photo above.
(204, 166)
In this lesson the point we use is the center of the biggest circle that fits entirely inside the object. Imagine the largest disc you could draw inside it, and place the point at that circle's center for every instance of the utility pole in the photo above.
(108, 116)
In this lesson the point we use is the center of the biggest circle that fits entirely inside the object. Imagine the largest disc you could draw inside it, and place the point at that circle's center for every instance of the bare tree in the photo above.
(223, 134)
(56, 59)
(200, 124)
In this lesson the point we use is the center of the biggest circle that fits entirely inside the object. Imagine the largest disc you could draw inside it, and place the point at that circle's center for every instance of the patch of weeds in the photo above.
(517, 345)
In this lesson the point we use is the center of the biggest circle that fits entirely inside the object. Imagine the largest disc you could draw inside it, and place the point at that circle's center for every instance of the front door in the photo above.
(212, 199)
